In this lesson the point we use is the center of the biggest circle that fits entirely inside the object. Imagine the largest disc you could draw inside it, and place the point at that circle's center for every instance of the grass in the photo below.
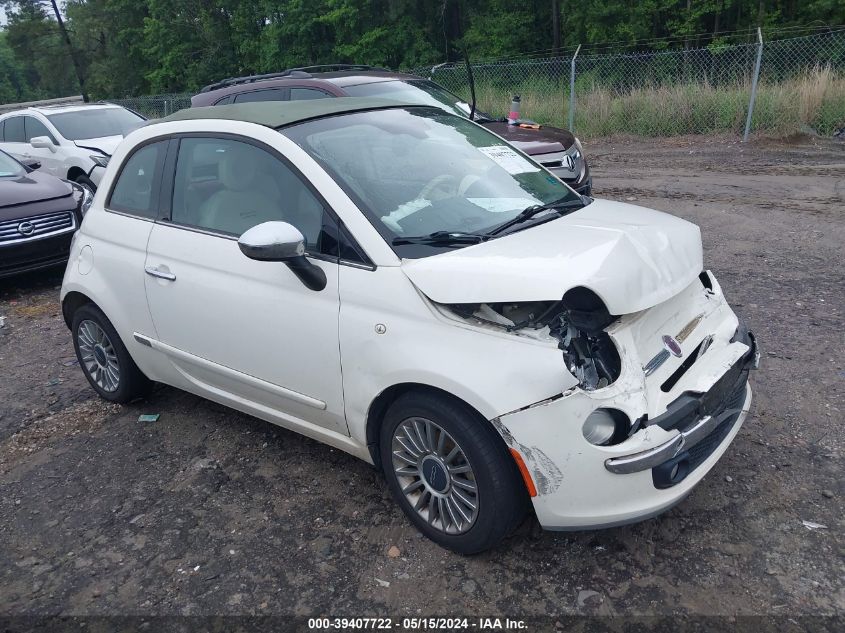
(811, 103)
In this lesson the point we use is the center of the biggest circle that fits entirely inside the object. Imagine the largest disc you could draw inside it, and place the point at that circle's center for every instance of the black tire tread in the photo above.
(505, 503)
(85, 180)
(133, 383)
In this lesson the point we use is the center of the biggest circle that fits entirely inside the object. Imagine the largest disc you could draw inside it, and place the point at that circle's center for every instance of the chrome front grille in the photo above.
(559, 162)
(36, 227)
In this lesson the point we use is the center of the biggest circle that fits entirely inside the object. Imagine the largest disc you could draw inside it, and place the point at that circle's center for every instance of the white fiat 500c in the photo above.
(400, 283)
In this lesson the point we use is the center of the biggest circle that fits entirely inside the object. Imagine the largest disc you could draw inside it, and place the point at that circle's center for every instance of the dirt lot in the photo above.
(207, 511)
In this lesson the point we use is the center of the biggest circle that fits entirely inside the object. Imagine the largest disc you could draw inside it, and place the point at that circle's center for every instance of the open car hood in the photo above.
(545, 140)
(631, 257)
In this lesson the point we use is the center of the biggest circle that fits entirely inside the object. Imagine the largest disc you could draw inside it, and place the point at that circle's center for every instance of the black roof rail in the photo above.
(323, 68)
(232, 81)
(303, 72)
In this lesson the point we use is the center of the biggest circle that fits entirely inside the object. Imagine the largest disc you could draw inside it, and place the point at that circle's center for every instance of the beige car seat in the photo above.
(244, 200)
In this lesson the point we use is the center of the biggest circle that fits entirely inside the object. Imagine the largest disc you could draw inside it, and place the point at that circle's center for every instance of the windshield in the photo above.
(418, 171)
(9, 166)
(95, 123)
(416, 91)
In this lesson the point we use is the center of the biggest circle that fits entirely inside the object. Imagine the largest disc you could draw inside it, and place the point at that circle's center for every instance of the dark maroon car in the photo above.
(38, 215)
(556, 149)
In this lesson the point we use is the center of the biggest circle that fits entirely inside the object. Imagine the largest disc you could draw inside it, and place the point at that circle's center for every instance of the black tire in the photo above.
(502, 500)
(131, 383)
(85, 181)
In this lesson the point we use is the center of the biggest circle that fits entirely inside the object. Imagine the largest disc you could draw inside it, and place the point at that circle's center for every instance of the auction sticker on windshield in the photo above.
(508, 159)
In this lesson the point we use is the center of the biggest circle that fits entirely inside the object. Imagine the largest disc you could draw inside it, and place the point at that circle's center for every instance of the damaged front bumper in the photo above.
(684, 416)
(699, 417)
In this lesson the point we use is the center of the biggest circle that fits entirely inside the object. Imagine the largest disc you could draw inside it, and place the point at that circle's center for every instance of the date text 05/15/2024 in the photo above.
(417, 624)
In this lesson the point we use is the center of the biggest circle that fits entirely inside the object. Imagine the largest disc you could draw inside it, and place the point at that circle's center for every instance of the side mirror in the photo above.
(282, 242)
(42, 142)
(31, 164)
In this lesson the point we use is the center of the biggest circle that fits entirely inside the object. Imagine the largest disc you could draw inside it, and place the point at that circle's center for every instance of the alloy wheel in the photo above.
(98, 356)
(435, 475)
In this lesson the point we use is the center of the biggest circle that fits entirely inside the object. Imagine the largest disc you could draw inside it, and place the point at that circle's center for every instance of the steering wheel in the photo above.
(439, 187)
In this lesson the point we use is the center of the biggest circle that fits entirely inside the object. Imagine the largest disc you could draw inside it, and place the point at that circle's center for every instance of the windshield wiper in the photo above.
(444, 238)
(529, 212)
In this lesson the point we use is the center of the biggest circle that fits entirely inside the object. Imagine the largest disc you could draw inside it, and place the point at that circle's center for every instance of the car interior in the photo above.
(230, 186)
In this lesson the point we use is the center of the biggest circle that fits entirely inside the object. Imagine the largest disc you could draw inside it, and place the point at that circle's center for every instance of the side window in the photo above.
(225, 100)
(229, 186)
(13, 131)
(33, 127)
(2, 131)
(299, 94)
(273, 94)
(136, 188)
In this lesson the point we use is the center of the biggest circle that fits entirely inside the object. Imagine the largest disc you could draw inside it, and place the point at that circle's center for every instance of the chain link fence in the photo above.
(156, 106)
(800, 88)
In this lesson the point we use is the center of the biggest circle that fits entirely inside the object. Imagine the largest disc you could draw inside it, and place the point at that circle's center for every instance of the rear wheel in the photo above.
(106, 362)
(450, 472)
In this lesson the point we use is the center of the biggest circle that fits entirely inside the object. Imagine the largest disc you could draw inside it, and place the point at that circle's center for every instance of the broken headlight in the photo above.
(577, 322)
(589, 352)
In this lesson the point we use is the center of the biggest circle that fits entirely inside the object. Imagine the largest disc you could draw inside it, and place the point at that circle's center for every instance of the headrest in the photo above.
(237, 169)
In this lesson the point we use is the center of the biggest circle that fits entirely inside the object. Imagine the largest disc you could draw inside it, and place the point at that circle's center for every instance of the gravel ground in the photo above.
(208, 511)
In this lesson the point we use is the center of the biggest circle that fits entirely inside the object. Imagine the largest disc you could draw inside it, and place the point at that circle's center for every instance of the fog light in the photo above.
(605, 427)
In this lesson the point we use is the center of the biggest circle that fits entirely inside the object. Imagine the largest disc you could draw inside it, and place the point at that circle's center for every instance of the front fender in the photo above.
(390, 335)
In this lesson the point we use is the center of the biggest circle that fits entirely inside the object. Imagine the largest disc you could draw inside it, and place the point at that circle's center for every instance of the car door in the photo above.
(244, 332)
(51, 160)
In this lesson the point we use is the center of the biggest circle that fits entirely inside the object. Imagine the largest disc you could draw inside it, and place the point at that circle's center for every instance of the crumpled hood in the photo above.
(631, 257)
(105, 144)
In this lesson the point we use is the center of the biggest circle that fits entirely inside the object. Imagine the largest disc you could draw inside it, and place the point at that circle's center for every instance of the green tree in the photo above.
(130, 47)
(112, 58)
(13, 84)
(36, 44)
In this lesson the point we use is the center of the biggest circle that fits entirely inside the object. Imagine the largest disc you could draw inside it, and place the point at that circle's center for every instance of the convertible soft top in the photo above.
(275, 114)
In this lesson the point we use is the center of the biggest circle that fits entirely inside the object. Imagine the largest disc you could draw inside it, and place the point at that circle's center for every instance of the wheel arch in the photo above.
(75, 172)
(381, 403)
(72, 302)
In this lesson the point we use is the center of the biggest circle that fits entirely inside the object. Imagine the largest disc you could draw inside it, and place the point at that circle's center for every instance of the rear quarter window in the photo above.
(137, 186)
(271, 94)
(301, 94)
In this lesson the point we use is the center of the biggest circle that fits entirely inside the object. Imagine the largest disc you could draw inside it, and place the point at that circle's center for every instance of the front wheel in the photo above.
(86, 182)
(451, 473)
(106, 362)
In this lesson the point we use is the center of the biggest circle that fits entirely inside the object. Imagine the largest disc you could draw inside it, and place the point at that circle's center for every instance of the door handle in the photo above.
(155, 272)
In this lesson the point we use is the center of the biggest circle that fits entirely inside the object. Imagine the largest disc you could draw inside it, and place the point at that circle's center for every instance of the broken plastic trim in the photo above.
(691, 359)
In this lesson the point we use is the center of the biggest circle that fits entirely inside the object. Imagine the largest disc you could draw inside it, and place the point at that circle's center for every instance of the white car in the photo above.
(400, 283)
(72, 142)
